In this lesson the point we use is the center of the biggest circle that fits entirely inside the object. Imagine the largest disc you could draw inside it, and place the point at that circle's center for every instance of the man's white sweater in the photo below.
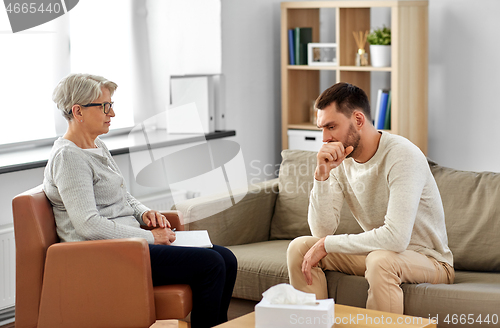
(394, 198)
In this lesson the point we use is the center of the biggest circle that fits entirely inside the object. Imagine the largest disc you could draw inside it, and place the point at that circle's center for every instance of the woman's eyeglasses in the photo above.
(106, 106)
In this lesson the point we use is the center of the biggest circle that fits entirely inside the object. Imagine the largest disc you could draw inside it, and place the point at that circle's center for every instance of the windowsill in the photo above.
(120, 144)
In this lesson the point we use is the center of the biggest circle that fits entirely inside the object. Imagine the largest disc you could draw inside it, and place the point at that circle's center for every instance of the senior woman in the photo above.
(90, 201)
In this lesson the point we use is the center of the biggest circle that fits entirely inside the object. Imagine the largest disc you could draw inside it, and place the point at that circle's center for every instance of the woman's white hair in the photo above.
(79, 89)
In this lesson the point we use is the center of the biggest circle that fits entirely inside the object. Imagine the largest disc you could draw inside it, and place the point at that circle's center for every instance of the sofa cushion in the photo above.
(347, 289)
(260, 266)
(296, 178)
(255, 209)
(472, 212)
(472, 295)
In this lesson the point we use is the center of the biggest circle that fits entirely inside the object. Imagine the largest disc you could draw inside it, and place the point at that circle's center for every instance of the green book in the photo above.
(303, 36)
(387, 123)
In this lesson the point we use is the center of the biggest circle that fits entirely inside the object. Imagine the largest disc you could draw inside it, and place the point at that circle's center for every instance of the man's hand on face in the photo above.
(330, 156)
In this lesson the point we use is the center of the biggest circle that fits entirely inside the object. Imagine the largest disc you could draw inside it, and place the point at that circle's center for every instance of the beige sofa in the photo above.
(259, 228)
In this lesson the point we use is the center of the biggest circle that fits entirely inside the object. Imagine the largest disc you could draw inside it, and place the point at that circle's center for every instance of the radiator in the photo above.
(164, 201)
(8, 268)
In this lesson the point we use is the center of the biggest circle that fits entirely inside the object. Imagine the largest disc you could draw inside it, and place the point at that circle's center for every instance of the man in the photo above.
(387, 183)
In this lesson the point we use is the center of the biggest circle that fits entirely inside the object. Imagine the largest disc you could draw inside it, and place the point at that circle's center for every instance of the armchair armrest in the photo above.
(98, 284)
(229, 223)
(175, 218)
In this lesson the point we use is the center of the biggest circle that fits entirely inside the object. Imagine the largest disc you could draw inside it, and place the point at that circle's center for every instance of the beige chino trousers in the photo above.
(384, 270)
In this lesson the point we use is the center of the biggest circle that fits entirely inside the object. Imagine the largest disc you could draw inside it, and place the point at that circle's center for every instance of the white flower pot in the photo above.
(380, 55)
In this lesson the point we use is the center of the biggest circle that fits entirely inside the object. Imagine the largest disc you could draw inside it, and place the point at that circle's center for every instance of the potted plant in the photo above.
(380, 47)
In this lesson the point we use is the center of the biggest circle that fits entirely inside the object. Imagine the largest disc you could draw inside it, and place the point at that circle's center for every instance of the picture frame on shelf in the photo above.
(322, 54)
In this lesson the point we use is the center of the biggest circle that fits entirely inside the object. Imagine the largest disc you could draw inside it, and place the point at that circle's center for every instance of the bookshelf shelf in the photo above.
(313, 68)
(408, 73)
(365, 69)
(340, 68)
(303, 126)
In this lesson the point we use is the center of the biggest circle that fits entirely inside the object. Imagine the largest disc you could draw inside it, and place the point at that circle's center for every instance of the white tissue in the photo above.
(286, 294)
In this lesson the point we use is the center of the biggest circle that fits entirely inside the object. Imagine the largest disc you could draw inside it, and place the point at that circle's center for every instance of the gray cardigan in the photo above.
(89, 196)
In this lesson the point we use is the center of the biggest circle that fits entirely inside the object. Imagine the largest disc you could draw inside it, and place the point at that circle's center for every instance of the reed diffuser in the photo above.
(361, 55)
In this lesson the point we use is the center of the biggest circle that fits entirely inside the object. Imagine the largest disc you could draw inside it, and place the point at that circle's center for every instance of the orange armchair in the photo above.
(104, 283)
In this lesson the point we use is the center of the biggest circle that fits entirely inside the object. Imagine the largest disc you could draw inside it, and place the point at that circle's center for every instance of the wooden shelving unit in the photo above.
(409, 70)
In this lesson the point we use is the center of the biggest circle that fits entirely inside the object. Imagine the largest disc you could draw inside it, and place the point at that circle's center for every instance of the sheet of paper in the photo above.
(194, 238)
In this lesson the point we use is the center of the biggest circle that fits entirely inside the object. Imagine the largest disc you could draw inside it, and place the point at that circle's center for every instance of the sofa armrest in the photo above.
(228, 223)
(98, 283)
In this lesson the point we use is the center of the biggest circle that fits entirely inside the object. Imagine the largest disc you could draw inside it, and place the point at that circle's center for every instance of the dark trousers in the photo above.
(211, 273)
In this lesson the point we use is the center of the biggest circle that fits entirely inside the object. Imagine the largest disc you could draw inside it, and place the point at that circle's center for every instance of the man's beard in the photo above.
(352, 140)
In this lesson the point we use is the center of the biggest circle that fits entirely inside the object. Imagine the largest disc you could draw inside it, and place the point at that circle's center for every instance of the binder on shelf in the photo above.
(381, 112)
(383, 109)
(387, 123)
(193, 105)
(303, 36)
(377, 108)
(291, 46)
(219, 82)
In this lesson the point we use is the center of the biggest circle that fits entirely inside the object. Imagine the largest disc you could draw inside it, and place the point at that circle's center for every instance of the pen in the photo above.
(174, 229)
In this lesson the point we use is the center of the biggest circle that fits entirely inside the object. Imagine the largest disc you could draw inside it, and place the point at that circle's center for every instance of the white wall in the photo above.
(463, 66)
(463, 84)
(251, 65)
(12, 184)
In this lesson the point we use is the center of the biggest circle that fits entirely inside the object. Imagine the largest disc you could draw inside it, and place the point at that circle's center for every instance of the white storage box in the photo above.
(305, 140)
(321, 315)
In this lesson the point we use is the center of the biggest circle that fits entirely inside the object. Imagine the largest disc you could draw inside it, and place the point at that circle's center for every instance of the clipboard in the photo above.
(193, 238)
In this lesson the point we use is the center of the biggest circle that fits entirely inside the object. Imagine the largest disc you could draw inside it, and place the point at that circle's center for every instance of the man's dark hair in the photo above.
(348, 98)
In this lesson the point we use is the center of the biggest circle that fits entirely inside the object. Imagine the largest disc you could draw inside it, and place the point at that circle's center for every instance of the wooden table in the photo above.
(348, 316)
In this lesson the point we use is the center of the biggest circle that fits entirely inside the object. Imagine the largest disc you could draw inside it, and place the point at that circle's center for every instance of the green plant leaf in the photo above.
(380, 36)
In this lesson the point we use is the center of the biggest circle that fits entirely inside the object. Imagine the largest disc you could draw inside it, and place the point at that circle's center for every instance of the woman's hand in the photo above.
(154, 218)
(163, 236)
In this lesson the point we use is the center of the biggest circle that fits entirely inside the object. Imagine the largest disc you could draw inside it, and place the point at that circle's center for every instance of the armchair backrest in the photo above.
(35, 231)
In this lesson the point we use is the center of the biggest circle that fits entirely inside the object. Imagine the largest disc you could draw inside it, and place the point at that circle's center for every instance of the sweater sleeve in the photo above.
(406, 178)
(73, 177)
(325, 203)
(137, 206)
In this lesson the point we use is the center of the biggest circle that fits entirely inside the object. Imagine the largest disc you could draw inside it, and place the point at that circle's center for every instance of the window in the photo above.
(137, 44)
(101, 43)
(27, 75)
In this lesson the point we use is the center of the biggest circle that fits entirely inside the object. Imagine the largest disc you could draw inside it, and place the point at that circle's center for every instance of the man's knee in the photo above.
(297, 249)
(300, 245)
(380, 261)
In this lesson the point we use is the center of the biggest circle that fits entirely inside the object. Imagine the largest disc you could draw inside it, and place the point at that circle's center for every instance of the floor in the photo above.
(237, 308)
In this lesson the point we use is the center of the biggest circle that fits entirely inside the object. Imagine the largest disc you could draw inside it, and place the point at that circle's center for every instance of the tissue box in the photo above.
(321, 315)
